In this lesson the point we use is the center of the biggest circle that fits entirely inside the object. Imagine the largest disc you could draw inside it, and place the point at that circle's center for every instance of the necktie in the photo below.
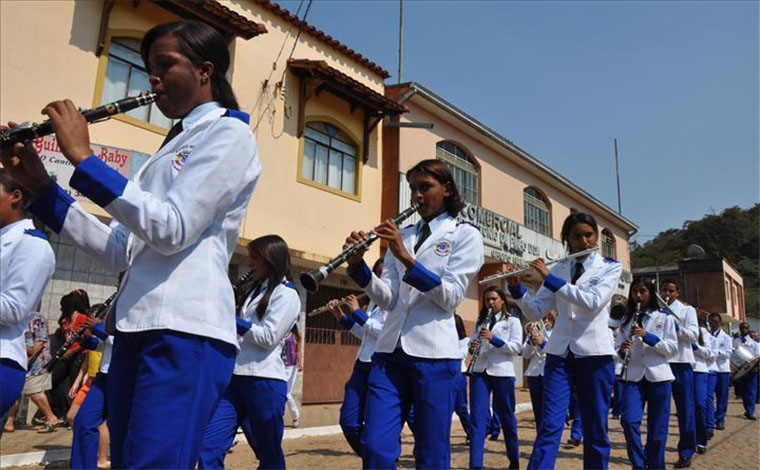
(578, 270)
(173, 132)
(423, 235)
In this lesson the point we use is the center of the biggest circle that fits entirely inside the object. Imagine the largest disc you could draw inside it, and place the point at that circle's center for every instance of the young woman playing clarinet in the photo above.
(428, 267)
(174, 229)
(533, 350)
(646, 341)
(255, 398)
(579, 349)
(498, 338)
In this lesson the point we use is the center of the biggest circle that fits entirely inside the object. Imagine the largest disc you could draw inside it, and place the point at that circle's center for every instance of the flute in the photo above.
(519, 272)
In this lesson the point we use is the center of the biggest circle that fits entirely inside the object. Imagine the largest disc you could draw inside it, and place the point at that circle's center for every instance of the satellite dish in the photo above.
(695, 251)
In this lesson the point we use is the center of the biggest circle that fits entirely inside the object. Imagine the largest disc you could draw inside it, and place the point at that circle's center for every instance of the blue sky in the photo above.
(676, 82)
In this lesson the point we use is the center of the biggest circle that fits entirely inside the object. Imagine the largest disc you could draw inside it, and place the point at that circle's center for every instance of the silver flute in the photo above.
(518, 272)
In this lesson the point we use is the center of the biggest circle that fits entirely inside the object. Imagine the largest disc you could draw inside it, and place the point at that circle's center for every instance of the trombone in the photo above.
(518, 272)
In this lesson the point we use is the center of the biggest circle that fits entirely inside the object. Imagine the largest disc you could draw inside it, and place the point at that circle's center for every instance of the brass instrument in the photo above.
(326, 307)
(518, 272)
(627, 359)
(536, 327)
(664, 305)
(488, 319)
(311, 280)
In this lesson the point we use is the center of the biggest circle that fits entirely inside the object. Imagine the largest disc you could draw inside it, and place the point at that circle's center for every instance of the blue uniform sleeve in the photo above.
(359, 316)
(651, 339)
(496, 341)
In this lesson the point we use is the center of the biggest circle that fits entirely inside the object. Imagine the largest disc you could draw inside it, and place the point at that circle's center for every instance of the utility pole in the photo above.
(617, 175)
(400, 39)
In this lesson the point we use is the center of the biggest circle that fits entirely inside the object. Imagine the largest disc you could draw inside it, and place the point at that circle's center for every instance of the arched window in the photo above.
(464, 171)
(126, 76)
(537, 211)
(608, 244)
(329, 157)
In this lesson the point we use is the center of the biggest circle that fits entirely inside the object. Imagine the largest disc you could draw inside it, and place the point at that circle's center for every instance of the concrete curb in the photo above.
(60, 455)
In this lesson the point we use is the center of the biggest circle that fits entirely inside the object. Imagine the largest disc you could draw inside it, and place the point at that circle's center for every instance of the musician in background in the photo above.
(682, 365)
(26, 264)
(579, 350)
(255, 398)
(647, 343)
(723, 363)
(703, 355)
(498, 338)
(533, 350)
(749, 380)
(291, 356)
(174, 230)
(428, 268)
(460, 400)
(367, 327)
(712, 378)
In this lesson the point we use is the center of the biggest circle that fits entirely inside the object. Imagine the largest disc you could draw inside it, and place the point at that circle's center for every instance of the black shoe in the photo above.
(710, 435)
(493, 437)
(573, 442)
(720, 425)
(701, 449)
(616, 417)
(749, 416)
(682, 463)
(514, 465)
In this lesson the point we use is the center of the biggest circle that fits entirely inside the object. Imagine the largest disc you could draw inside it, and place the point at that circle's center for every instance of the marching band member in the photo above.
(649, 343)
(702, 357)
(749, 380)
(26, 264)
(533, 350)
(682, 364)
(723, 344)
(579, 350)
(460, 402)
(494, 371)
(368, 328)
(174, 230)
(255, 398)
(428, 268)
(712, 379)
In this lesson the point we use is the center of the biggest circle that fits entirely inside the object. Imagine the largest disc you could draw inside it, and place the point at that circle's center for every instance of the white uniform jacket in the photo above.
(421, 301)
(464, 348)
(724, 348)
(712, 343)
(745, 340)
(536, 355)
(687, 330)
(497, 356)
(703, 354)
(583, 309)
(175, 226)
(366, 328)
(649, 358)
(26, 264)
(261, 339)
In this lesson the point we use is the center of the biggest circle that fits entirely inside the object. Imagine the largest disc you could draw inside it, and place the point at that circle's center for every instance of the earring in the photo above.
(204, 80)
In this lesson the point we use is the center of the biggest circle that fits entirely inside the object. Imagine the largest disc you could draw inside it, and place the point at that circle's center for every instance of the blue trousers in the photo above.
(593, 377)
(656, 395)
(722, 385)
(749, 393)
(576, 426)
(536, 388)
(92, 413)
(396, 382)
(494, 426)
(712, 379)
(616, 392)
(683, 395)
(12, 377)
(163, 387)
(700, 406)
(503, 388)
(258, 405)
(460, 404)
(352, 409)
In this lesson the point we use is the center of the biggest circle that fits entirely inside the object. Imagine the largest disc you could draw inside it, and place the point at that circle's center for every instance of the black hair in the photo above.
(715, 314)
(198, 42)
(75, 301)
(574, 219)
(10, 185)
(484, 309)
(274, 251)
(376, 266)
(670, 280)
(460, 326)
(295, 331)
(438, 170)
(651, 303)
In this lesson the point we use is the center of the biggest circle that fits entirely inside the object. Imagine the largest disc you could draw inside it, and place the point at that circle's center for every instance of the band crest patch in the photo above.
(180, 157)
(442, 248)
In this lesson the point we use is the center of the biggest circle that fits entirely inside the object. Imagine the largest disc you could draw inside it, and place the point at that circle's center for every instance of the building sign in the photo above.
(126, 162)
(507, 241)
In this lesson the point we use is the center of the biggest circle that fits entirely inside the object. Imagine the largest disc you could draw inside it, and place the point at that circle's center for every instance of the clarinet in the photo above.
(26, 131)
(476, 354)
(237, 287)
(99, 312)
(627, 359)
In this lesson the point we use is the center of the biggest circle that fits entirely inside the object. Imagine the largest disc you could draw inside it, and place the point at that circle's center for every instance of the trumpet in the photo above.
(476, 354)
(627, 359)
(311, 280)
(326, 307)
(536, 327)
(518, 272)
(26, 131)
